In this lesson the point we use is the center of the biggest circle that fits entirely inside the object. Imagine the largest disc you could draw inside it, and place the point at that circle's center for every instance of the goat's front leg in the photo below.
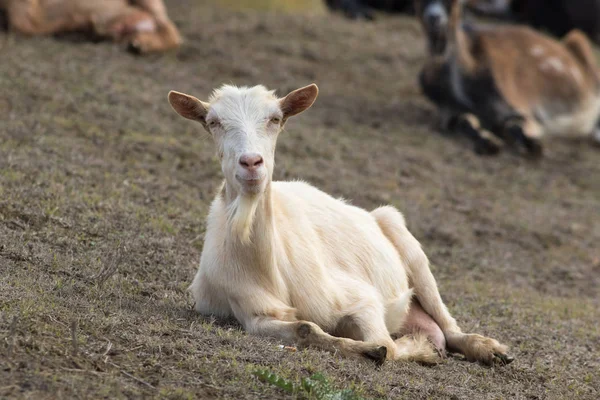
(474, 347)
(436, 85)
(165, 37)
(485, 142)
(525, 132)
(306, 333)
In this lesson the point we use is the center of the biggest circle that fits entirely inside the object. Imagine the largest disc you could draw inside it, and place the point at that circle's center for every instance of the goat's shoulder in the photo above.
(302, 200)
(301, 192)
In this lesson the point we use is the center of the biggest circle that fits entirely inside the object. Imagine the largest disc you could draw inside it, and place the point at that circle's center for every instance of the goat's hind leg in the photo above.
(474, 347)
(166, 35)
(137, 27)
(580, 46)
(419, 323)
(435, 83)
(122, 22)
(306, 333)
(368, 321)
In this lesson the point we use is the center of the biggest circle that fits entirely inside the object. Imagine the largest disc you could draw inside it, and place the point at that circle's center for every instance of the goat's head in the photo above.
(435, 16)
(245, 123)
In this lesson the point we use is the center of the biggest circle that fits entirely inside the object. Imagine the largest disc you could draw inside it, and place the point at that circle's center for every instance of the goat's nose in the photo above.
(435, 15)
(251, 161)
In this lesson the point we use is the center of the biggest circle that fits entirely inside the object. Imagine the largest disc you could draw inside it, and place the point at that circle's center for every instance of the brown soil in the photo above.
(104, 191)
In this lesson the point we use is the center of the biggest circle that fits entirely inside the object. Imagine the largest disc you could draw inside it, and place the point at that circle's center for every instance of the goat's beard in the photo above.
(240, 217)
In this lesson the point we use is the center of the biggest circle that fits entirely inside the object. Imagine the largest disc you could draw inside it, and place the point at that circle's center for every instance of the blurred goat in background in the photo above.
(143, 24)
(555, 16)
(508, 83)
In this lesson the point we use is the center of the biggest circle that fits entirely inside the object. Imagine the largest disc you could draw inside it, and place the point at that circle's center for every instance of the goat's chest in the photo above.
(457, 83)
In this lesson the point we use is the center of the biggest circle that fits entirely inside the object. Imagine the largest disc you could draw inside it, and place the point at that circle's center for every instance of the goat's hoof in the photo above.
(134, 47)
(515, 135)
(483, 349)
(503, 359)
(377, 355)
(534, 149)
(487, 148)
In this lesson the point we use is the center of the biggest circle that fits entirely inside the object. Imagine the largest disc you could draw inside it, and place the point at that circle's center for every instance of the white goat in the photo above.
(290, 261)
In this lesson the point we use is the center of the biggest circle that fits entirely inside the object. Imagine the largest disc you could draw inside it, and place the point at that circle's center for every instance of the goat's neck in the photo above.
(257, 251)
(459, 44)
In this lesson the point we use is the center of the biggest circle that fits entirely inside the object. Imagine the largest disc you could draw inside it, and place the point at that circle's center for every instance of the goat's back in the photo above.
(538, 75)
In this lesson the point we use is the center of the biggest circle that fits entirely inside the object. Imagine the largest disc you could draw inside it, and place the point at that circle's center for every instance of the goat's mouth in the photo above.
(250, 183)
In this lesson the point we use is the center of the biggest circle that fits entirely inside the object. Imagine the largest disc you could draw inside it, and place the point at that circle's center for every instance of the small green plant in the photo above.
(316, 387)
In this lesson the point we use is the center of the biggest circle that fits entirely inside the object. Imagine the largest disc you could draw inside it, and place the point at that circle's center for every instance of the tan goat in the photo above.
(509, 80)
(143, 24)
(290, 261)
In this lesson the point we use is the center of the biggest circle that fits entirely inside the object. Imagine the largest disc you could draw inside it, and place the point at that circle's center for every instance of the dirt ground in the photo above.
(104, 191)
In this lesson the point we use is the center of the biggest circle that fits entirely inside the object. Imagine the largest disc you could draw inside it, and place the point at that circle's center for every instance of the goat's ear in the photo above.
(299, 100)
(188, 106)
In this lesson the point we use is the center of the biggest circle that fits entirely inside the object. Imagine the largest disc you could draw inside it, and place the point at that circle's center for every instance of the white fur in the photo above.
(537, 51)
(146, 26)
(581, 122)
(436, 9)
(552, 64)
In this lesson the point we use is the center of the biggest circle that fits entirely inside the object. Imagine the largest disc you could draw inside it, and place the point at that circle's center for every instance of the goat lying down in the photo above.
(143, 24)
(289, 261)
(507, 83)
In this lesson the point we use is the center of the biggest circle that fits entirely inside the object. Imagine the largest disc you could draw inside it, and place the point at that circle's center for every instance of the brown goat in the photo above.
(143, 24)
(508, 82)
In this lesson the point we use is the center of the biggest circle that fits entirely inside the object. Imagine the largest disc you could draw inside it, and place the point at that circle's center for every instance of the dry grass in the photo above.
(104, 190)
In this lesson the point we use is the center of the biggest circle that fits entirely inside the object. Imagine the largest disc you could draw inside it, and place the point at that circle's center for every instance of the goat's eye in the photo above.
(275, 120)
(213, 124)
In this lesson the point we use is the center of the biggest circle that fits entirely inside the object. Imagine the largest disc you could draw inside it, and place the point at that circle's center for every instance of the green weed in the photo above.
(316, 387)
